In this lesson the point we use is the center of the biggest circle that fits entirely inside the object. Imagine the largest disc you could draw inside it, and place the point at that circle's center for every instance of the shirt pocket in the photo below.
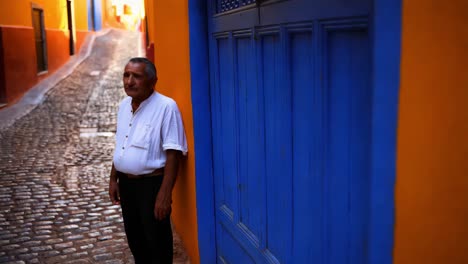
(141, 136)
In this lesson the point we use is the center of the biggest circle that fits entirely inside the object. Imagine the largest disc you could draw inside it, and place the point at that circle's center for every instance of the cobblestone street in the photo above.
(55, 163)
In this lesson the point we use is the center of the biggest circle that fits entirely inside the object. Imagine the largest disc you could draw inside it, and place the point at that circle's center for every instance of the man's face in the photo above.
(136, 82)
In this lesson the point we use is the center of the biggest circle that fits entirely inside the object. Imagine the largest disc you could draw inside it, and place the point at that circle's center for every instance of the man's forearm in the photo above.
(170, 171)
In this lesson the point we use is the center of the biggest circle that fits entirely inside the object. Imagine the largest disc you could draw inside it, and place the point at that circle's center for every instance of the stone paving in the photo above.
(54, 167)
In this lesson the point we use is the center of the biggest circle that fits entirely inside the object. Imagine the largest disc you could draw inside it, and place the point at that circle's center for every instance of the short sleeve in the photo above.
(172, 130)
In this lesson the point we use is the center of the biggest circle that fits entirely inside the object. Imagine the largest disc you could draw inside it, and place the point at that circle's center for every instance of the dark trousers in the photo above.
(149, 240)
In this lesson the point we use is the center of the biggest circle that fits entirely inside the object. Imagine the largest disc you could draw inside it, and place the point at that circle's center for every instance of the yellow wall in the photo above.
(168, 28)
(55, 14)
(18, 13)
(432, 156)
(81, 14)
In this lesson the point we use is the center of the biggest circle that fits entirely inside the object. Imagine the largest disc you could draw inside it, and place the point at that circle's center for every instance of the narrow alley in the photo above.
(55, 163)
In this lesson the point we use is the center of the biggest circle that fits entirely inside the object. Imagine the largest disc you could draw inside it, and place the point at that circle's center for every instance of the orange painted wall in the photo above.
(15, 12)
(432, 152)
(57, 48)
(80, 38)
(20, 69)
(169, 32)
(19, 54)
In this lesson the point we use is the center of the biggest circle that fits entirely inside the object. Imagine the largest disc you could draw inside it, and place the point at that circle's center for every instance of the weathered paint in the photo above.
(432, 168)
(168, 31)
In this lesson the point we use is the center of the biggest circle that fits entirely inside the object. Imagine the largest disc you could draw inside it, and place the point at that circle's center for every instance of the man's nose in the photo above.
(130, 79)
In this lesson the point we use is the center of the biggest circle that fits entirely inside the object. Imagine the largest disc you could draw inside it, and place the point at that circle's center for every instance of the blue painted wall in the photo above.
(202, 129)
(386, 82)
(94, 15)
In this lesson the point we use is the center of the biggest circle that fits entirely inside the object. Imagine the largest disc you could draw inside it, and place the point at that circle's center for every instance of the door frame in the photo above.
(43, 50)
(3, 98)
(386, 38)
(71, 25)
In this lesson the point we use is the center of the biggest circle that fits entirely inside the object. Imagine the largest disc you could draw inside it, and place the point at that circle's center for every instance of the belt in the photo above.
(156, 172)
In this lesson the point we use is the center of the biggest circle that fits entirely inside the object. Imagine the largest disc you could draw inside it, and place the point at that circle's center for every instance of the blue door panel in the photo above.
(360, 146)
(307, 186)
(227, 230)
(251, 170)
(348, 119)
(228, 131)
(278, 146)
(291, 123)
(231, 250)
(216, 126)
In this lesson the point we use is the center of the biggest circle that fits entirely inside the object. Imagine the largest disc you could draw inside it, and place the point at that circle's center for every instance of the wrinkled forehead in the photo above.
(135, 67)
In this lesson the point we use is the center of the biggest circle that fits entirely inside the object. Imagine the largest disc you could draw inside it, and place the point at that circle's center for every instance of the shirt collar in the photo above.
(145, 102)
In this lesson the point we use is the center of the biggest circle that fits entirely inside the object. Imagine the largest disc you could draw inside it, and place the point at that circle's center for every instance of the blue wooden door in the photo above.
(291, 101)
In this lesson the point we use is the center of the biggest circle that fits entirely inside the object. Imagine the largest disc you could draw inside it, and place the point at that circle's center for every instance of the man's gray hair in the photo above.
(150, 69)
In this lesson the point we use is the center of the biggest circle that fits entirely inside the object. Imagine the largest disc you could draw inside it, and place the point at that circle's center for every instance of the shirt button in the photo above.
(130, 125)
(126, 136)
(123, 147)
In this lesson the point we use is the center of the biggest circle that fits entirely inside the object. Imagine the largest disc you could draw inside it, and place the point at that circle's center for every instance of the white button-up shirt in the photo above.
(142, 137)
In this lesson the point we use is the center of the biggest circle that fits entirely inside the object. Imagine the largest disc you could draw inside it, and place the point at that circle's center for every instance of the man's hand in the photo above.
(114, 192)
(162, 206)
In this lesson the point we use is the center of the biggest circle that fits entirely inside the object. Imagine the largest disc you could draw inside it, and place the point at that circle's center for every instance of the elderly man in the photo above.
(150, 139)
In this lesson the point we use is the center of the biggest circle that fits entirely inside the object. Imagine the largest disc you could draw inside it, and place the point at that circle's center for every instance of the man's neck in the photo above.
(137, 102)
(135, 106)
